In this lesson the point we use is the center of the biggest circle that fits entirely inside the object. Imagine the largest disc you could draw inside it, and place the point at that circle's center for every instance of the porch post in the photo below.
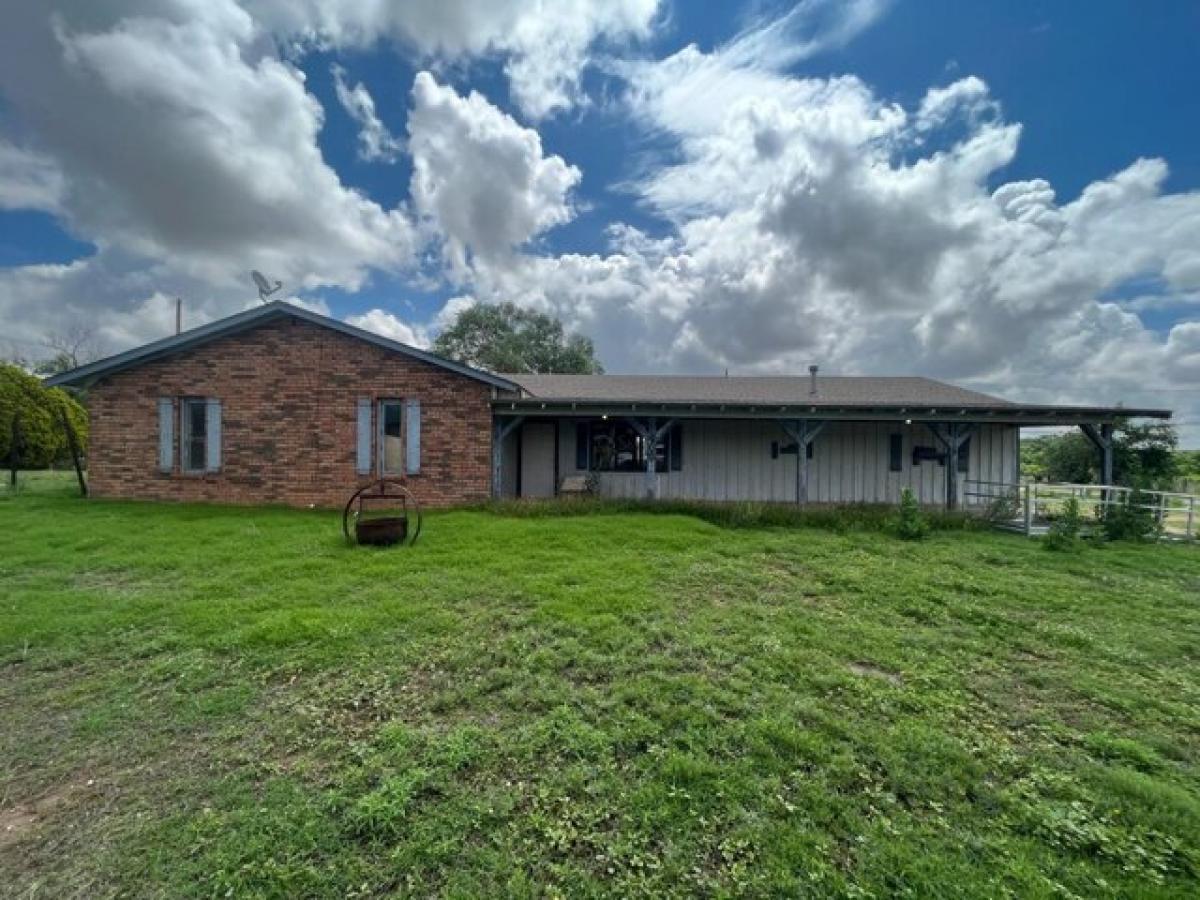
(500, 430)
(651, 433)
(952, 466)
(951, 435)
(650, 446)
(803, 432)
(1103, 441)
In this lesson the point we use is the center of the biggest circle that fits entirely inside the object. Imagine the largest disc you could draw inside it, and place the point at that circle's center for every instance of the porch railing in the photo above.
(1031, 506)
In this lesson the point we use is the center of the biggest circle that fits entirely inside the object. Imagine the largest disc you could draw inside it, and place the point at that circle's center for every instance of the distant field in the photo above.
(204, 702)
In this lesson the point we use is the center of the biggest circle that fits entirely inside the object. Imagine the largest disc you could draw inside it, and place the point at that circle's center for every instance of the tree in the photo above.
(71, 348)
(1143, 455)
(31, 418)
(506, 338)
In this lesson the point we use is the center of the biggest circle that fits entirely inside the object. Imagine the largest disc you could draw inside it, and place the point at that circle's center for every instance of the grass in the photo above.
(203, 702)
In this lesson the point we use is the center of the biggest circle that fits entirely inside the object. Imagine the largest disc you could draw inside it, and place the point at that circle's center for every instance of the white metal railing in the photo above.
(1031, 505)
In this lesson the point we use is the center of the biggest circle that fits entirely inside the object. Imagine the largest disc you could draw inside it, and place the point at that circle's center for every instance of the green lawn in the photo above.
(209, 702)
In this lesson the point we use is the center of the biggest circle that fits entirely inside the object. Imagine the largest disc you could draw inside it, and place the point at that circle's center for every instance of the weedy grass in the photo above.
(203, 701)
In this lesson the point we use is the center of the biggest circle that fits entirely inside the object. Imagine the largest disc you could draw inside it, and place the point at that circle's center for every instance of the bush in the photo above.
(1131, 518)
(1064, 531)
(1003, 509)
(911, 523)
(36, 409)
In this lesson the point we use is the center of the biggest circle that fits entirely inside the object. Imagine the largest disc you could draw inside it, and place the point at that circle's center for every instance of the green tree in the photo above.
(506, 338)
(1142, 455)
(33, 414)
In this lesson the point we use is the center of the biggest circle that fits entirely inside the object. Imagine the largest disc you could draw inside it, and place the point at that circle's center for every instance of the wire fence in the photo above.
(1032, 506)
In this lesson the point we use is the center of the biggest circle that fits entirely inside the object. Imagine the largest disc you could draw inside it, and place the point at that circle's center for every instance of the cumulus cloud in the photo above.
(545, 46)
(814, 221)
(28, 180)
(480, 179)
(375, 142)
(172, 137)
(182, 139)
(389, 325)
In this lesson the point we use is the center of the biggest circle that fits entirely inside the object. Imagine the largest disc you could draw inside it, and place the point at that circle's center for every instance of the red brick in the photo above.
(289, 392)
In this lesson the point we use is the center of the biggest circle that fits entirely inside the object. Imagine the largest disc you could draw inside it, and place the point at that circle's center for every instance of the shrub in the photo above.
(1003, 509)
(37, 412)
(1131, 518)
(1064, 530)
(911, 523)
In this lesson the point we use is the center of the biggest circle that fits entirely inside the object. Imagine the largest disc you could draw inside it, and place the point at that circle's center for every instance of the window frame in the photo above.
(187, 436)
(381, 405)
(669, 449)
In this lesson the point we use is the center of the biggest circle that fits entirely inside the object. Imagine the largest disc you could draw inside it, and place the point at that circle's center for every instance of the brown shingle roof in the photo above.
(783, 390)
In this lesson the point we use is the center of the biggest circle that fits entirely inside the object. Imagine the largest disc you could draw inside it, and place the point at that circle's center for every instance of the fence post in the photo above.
(1191, 518)
(1028, 511)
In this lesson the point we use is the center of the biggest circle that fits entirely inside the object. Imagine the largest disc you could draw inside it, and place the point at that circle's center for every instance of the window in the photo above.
(616, 446)
(193, 446)
(391, 437)
(964, 455)
(896, 453)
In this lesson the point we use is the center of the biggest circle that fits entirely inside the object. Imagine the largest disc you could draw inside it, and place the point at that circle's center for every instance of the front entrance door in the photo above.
(537, 459)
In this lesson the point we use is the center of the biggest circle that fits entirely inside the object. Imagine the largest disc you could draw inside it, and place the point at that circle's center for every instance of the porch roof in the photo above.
(836, 397)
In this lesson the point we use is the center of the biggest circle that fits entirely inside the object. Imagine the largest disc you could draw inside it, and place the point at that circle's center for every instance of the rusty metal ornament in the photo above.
(399, 522)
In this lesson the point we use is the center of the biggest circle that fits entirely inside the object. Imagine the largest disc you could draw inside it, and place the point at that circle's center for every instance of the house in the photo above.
(278, 404)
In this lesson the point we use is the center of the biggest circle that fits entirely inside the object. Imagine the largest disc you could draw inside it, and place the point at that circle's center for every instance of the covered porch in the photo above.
(827, 461)
(828, 440)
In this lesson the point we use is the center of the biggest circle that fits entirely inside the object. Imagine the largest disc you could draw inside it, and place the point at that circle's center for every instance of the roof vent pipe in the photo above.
(812, 381)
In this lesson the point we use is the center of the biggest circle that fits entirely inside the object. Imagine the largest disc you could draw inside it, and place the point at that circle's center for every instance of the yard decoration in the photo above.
(389, 525)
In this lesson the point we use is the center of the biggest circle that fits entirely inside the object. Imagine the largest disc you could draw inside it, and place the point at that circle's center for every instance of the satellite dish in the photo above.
(265, 288)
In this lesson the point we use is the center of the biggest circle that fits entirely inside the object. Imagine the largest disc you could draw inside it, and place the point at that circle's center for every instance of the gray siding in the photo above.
(731, 460)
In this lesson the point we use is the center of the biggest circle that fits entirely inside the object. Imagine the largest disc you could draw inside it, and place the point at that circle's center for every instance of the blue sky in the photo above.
(1004, 195)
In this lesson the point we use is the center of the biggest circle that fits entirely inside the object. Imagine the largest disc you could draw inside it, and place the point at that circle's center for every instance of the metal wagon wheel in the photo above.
(387, 530)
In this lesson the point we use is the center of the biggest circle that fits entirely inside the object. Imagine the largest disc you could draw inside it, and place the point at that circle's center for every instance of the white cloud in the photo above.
(184, 140)
(545, 45)
(28, 180)
(813, 221)
(387, 324)
(375, 142)
(480, 179)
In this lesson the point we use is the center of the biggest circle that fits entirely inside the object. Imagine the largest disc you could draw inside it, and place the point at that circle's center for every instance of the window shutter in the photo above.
(676, 447)
(166, 434)
(412, 436)
(581, 447)
(212, 435)
(896, 453)
(363, 456)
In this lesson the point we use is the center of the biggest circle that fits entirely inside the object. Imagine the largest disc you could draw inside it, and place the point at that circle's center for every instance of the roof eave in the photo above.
(238, 322)
(1015, 414)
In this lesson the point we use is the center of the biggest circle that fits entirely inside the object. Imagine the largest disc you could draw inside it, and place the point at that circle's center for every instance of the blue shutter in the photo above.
(363, 456)
(412, 436)
(212, 435)
(166, 434)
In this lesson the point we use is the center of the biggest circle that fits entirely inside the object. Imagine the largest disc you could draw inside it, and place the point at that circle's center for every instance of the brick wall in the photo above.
(288, 391)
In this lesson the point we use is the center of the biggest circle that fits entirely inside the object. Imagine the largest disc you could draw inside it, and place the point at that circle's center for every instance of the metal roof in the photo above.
(252, 318)
(844, 395)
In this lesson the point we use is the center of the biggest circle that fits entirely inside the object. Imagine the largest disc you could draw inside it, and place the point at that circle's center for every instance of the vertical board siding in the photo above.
(729, 460)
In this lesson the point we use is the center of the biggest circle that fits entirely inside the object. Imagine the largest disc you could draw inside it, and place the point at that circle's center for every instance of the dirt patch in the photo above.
(870, 670)
(15, 823)
(19, 820)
